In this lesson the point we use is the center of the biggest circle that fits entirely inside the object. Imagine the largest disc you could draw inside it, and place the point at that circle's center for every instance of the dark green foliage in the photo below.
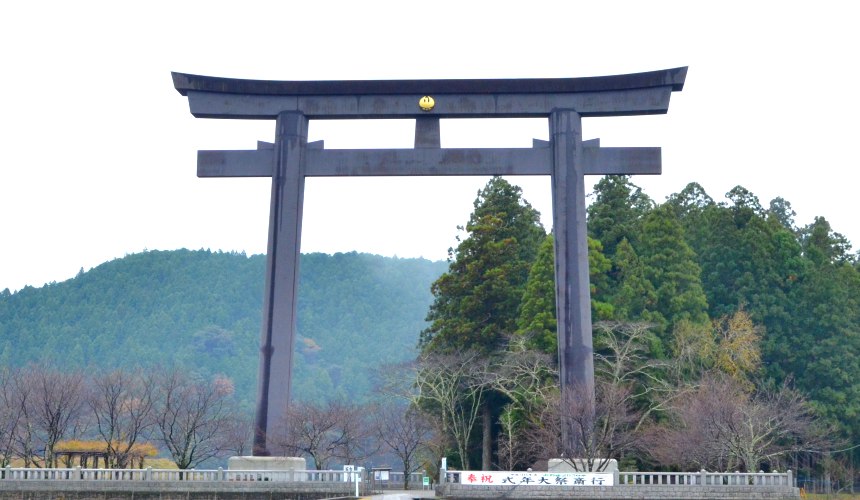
(635, 298)
(537, 311)
(819, 345)
(670, 265)
(617, 212)
(822, 245)
(477, 300)
(599, 267)
(746, 257)
(201, 310)
(780, 210)
(800, 285)
(823, 348)
(689, 202)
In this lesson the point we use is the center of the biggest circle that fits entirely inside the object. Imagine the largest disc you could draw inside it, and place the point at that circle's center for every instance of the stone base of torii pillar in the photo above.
(567, 465)
(268, 464)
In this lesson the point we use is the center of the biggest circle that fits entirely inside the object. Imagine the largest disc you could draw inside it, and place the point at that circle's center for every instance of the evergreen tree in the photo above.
(599, 267)
(822, 350)
(670, 266)
(635, 298)
(780, 210)
(819, 346)
(746, 259)
(689, 201)
(821, 244)
(690, 206)
(476, 302)
(537, 316)
(617, 212)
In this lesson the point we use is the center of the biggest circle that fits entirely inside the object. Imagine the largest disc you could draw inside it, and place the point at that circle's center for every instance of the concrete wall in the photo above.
(157, 490)
(639, 492)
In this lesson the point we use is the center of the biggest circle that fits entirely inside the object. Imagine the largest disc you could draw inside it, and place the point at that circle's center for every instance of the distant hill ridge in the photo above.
(201, 310)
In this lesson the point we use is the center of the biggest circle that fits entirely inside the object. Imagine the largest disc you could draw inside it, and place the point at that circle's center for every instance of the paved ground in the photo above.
(403, 495)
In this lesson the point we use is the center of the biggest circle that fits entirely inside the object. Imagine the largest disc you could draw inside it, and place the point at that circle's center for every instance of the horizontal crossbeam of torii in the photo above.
(565, 157)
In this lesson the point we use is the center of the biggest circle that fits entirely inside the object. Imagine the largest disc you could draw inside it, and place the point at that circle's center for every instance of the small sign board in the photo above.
(426, 481)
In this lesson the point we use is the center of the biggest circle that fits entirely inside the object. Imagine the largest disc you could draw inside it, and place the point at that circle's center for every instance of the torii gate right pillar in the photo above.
(573, 294)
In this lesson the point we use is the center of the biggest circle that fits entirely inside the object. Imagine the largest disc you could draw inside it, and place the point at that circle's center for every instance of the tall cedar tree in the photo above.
(821, 347)
(670, 266)
(635, 298)
(476, 302)
(617, 212)
(537, 317)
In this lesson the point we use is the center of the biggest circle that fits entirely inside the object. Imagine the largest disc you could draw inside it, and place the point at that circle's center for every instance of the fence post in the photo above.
(356, 482)
(703, 477)
(790, 478)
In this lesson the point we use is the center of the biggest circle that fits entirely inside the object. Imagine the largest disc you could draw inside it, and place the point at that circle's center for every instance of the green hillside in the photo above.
(201, 310)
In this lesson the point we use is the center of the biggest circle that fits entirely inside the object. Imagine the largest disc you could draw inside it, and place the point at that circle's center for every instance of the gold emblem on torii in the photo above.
(426, 103)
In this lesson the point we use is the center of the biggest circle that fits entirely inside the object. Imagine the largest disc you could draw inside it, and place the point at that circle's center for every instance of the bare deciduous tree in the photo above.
(191, 417)
(238, 434)
(405, 432)
(10, 415)
(526, 378)
(453, 386)
(722, 427)
(323, 433)
(57, 400)
(599, 428)
(121, 402)
(524, 375)
(24, 437)
(511, 451)
(623, 360)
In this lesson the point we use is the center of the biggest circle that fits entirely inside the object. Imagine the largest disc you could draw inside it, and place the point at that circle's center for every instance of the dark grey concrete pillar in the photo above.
(573, 294)
(278, 331)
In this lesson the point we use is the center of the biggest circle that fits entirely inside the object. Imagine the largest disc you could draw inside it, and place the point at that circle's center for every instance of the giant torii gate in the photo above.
(566, 157)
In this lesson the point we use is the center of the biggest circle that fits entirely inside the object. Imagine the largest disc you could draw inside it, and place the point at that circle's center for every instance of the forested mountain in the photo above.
(201, 310)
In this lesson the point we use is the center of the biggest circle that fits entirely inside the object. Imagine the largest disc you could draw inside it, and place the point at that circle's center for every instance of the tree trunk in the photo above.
(487, 441)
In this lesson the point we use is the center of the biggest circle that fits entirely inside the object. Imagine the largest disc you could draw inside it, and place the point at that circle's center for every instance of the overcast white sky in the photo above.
(98, 151)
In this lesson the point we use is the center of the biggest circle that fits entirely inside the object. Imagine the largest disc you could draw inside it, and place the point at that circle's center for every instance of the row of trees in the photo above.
(337, 433)
(645, 410)
(722, 320)
(44, 410)
(193, 420)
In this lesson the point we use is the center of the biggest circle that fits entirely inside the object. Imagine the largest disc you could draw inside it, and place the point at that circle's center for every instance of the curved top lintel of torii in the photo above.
(627, 94)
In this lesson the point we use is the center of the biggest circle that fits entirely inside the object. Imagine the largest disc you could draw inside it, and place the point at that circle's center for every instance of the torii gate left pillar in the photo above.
(290, 159)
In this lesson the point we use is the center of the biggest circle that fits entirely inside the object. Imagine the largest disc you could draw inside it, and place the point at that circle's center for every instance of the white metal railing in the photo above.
(397, 480)
(149, 474)
(705, 478)
(701, 478)
(334, 476)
